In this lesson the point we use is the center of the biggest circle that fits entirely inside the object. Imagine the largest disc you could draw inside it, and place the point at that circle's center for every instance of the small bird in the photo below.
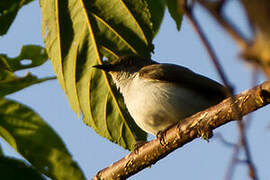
(159, 95)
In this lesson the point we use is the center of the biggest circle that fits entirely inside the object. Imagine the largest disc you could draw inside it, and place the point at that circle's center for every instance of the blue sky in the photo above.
(196, 160)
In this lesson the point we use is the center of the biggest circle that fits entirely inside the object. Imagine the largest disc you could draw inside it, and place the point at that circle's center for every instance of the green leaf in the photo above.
(36, 141)
(174, 7)
(14, 169)
(77, 35)
(1, 151)
(36, 56)
(8, 12)
(8, 137)
(157, 9)
(10, 83)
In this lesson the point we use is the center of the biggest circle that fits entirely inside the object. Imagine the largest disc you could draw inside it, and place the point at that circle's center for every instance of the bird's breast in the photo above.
(155, 105)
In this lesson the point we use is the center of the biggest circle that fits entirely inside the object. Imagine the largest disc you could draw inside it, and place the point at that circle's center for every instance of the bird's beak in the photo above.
(105, 67)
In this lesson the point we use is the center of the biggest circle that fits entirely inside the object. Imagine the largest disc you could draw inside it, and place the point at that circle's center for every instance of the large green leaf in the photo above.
(157, 9)
(14, 169)
(28, 134)
(77, 35)
(8, 12)
(9, 82)
(175, 10)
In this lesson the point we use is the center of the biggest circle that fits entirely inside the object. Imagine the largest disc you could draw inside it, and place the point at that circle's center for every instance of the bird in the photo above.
(158, 95)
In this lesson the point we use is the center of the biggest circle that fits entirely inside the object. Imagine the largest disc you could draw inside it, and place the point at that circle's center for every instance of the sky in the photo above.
(197, 160)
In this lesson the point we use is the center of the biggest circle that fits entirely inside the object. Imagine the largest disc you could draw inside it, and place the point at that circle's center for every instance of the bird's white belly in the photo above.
(155, 105)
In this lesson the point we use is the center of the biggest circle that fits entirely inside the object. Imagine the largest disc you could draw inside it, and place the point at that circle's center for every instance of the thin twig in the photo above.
(244, 142)
(252, 171)
(215, 9)
(223, 140)
(209, 49)
(230, 169)
(214, 59)
(234, 159)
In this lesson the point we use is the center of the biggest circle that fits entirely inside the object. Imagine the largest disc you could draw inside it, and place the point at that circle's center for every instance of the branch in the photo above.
(186, 130)
(189, 13)
(234, 160)
(215, 8)
(244, 143)
(224, 141)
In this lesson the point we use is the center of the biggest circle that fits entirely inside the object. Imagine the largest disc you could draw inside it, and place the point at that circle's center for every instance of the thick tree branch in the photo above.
(200, 124)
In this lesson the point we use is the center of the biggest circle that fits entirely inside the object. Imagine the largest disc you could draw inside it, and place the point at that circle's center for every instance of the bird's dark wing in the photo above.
(185, 78)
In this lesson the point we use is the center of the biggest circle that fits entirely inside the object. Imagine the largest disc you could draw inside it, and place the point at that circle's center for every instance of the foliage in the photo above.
(78, 35)
(176, 12)
(28, 134)
(8, 12)
(23, 129)
(9, 82)
(16, 169)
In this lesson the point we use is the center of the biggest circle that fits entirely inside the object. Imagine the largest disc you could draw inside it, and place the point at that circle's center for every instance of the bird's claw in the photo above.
(161, 136)
(137, 145)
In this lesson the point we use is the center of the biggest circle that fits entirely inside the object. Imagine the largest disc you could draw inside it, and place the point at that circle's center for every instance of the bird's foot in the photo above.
(161, 137)
(137, 145)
